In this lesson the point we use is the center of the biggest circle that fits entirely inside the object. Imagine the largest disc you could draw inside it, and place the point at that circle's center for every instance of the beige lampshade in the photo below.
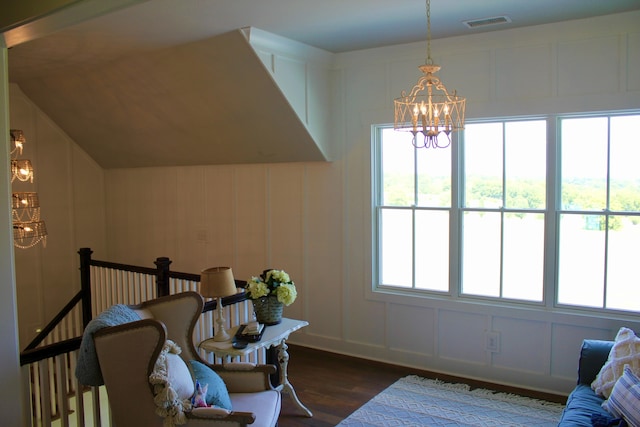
(217, 282)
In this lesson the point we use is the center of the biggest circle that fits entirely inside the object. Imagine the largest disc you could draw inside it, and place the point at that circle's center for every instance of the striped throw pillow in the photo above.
(625, 398)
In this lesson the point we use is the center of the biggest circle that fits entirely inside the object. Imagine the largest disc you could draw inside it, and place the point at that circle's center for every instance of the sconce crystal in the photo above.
(25, 207)
(22, 170)
(17, 142)
(29, 234)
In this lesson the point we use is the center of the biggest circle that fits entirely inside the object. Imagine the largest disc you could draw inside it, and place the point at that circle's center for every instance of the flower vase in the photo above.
(268, 310)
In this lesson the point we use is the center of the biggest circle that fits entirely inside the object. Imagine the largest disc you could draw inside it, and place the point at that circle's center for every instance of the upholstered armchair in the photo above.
(129, 353)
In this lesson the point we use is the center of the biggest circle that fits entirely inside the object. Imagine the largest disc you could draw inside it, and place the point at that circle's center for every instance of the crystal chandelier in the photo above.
(429, 110)
(28, 228)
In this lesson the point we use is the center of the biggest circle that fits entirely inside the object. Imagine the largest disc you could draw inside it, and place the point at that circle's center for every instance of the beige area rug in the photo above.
(416, 401)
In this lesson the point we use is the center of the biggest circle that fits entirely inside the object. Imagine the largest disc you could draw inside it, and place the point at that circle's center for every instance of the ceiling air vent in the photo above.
(485, 22)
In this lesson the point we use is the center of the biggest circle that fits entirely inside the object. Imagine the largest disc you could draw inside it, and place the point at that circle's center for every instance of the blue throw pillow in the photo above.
(217, 393)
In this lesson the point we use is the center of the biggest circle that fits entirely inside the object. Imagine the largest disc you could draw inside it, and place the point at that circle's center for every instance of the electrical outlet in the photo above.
(493, 342)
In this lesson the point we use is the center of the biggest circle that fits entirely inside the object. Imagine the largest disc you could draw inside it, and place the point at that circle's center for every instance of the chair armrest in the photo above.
(240, 418)
(245, 377)
(593, 355)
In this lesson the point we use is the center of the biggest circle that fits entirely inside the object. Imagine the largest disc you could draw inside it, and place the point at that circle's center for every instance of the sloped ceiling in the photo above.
(166, 82)
(206, 102)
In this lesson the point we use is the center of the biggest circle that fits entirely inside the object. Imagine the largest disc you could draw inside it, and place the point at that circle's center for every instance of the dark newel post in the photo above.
(162, 284)
(85, 284)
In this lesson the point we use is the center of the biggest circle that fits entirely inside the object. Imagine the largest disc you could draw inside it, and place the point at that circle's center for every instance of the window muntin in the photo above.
(599, 223)
(481, 253)
(624, 159)
(414, 214)
(623, 289)
(483, 165)
(397, 168)
(505, 219)
(584, 163)
(504, 180)
(525, 164)
(396, 247)
(432, 250)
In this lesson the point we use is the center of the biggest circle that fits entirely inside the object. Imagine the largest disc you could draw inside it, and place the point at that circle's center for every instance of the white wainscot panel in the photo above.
(411, 329)
(291, 76)
(319, 107)
(250, 228)
(218, 215)
(23, 116)
(461, 336)
(321, 284)
(359, 83)
(566, 341)
(524, 345)
(633, 62)
(285, 207)
(89, 204)
(317, 296)
(365, 321)
(469, 74)
(266, 58)
(523, 72)
(404, 75)
(589, 66)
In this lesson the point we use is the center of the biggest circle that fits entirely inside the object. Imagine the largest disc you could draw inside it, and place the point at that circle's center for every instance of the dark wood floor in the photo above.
(332, 386)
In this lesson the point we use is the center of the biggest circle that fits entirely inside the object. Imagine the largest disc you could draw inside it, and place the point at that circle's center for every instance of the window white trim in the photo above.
(421, 297)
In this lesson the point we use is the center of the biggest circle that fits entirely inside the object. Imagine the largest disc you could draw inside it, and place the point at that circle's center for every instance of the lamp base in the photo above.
(221, 334)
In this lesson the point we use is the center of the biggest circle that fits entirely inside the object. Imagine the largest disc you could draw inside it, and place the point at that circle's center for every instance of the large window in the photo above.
(504, 209)
(414, 213)
(542, 211)
(599, 222)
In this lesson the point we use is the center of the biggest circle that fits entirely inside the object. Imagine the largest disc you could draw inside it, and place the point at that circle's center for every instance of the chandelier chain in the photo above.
(429, 60)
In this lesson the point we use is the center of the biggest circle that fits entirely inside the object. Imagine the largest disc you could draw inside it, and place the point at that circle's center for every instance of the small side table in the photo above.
(273, 336)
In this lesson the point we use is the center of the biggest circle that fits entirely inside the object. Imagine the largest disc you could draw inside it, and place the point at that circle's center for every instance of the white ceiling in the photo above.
(333, 25)
(105, 50)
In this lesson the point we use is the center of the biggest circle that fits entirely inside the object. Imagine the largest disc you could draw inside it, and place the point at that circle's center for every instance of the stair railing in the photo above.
(48, 362)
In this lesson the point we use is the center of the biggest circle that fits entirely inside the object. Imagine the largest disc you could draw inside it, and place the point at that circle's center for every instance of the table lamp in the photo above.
(217, 282)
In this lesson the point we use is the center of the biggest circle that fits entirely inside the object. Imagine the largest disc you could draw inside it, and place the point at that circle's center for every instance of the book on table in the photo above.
(249, 332)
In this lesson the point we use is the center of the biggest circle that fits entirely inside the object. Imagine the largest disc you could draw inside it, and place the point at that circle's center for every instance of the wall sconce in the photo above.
(28, 229)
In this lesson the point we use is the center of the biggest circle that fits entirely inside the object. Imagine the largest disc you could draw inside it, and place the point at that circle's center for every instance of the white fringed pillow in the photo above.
(625, 351)
(172, 384)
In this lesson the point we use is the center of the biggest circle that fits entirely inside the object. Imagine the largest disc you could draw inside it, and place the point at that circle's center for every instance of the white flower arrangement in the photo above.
(273, 283)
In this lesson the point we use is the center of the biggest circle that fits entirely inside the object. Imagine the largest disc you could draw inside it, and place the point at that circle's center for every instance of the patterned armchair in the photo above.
(128, 355)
